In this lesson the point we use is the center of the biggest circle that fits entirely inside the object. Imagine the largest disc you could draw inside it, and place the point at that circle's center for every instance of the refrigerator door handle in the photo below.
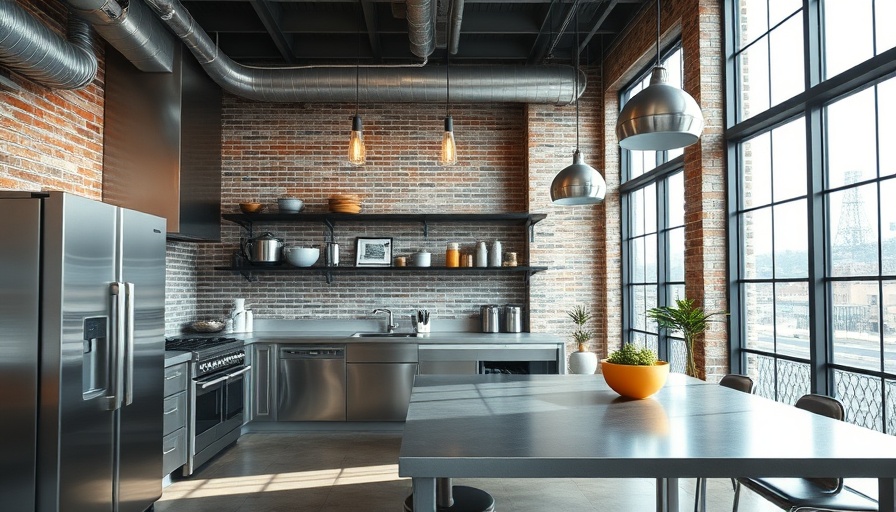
(116, 345)
(129, 321)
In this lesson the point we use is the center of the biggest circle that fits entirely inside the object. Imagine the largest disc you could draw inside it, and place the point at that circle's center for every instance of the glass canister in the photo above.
(452, 255)
(481, 254)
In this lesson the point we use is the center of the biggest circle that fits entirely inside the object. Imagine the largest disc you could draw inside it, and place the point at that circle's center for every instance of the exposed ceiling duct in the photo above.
(421, 27)
(37, 52)
(455, 20)
(499, 84)
(132, 29)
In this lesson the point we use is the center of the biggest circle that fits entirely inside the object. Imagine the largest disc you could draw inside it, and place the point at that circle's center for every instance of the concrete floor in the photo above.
(358, 472)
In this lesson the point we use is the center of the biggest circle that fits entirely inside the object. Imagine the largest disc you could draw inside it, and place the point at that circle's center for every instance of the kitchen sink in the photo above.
(384, 335)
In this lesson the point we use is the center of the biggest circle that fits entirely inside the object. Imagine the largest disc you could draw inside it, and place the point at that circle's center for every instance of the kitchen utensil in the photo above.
(263, 249)
(490, 315)
(290, 205)
(301, 256)
(513, 318)
(251, 207)
(331, 254)
(207, 326)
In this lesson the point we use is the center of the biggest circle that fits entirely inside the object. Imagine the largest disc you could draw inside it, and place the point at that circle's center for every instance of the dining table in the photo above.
(561, 426)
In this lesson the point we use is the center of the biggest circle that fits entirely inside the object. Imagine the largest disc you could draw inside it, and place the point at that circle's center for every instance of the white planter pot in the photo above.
(583, 363)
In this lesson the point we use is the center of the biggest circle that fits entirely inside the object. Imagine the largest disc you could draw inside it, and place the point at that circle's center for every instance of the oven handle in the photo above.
(240, 372)
(225, 377)
(213, 382)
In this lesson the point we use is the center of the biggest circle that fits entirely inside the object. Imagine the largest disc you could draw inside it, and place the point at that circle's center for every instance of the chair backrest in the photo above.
(737, 382)
(832, 408)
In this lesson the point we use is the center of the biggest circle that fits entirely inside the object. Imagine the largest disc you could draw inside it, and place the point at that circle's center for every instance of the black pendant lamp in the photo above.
(448, 156)
(660, 117)
(357, 153)
(578, 183)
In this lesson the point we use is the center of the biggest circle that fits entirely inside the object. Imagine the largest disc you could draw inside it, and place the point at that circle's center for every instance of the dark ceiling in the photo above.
(309, 32)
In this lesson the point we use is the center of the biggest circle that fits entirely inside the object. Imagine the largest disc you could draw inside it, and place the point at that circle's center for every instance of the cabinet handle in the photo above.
(172, 411)
(166, 452)
(173, 376)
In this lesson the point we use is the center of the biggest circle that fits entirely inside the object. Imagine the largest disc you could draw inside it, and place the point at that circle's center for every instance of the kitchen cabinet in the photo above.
(174, 432)
(330, 220)
(379, 378)
(263, 400)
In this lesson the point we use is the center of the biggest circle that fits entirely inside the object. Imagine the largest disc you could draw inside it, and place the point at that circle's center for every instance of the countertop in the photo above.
(173, 357)
(462, 338)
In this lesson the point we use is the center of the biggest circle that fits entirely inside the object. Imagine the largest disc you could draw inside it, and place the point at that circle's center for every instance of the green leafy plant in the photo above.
(580, 316)
(632, 354)
(688, 319)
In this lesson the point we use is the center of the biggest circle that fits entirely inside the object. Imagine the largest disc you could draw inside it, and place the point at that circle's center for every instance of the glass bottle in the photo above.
(452, 255)
(494, 256)
(481, 255)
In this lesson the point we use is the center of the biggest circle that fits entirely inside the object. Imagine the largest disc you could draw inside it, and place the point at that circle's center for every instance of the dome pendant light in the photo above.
(578, 183)
(449, 148)
(660, 117)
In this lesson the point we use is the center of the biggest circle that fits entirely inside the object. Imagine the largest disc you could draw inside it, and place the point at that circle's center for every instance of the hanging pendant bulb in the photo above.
(449, 148)
(579, 183)
(357, 153)
(660, 117)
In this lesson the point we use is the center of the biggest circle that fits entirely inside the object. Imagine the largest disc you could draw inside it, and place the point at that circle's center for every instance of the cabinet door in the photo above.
(262, 400)
(378, 391)
(449, 367)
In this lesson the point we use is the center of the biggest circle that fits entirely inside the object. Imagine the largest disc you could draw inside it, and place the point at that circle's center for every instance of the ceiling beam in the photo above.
(372, 29)
(270, 15)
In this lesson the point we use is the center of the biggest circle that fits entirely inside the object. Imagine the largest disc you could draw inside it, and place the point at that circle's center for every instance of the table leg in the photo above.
(424, 494)
(667, 495)
(886, 494)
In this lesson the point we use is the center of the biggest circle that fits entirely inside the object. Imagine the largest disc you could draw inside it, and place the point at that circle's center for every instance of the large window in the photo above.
(653, 233)
(812, 201)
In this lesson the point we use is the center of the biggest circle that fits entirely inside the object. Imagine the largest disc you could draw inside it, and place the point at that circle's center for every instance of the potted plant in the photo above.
(634, 371)
(688, 319)
(583, 361)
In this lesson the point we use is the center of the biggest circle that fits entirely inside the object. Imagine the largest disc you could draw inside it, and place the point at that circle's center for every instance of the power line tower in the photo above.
(853, 229)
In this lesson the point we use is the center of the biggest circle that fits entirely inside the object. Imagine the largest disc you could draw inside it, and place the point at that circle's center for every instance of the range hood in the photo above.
(162, 144)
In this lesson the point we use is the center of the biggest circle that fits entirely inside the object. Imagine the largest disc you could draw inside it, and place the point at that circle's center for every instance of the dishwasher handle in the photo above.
(313, 353)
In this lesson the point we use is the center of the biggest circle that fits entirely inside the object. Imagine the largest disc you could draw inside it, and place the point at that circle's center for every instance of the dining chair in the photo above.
(738, 383)
(810, 494)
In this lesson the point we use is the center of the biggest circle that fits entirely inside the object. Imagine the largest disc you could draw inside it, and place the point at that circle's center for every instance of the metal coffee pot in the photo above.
(264, 249)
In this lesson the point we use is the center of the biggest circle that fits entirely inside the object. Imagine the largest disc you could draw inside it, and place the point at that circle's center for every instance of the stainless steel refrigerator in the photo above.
(82, 287)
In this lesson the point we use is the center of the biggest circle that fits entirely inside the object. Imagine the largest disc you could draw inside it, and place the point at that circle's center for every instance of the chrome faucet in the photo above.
(391, 325)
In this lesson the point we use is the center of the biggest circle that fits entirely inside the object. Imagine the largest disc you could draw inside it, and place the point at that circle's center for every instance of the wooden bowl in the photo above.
(251, 207)
(635, 381)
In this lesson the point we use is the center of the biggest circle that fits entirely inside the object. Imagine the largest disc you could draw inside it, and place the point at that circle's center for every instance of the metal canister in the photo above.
(491, 318)
(331, 254)
(513, 318)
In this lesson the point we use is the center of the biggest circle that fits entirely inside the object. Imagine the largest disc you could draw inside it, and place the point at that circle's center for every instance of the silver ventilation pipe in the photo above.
(132, 29)
(506, 84)
(35, 51)
(455, 20)
(421, 27)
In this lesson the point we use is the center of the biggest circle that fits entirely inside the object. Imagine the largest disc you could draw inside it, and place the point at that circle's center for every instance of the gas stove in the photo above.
(210, 354)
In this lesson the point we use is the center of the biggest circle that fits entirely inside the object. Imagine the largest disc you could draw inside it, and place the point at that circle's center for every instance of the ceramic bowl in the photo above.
(290, 205)
(251, 207)
(207, 326)
(635, 381)
(301, 256)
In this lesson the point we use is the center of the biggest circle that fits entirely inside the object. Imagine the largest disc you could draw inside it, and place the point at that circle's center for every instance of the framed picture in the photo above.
(373, 252)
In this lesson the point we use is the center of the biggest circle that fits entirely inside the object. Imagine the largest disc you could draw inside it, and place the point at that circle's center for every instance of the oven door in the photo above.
(208, 409)
(234, 400)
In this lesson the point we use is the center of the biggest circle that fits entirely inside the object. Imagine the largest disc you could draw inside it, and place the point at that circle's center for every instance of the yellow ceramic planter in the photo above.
(634, 381)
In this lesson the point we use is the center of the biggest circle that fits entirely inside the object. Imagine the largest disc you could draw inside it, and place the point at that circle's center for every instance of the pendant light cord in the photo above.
(658, 63)
(447, 84)
(358, 57)
(577, 75)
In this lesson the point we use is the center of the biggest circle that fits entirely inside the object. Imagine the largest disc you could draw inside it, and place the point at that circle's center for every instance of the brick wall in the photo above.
(699, 24)
(300, 149)
(52, 140)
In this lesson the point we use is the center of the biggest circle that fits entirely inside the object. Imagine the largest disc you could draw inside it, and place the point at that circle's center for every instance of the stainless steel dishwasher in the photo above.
(312, 383)
(379, 379)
